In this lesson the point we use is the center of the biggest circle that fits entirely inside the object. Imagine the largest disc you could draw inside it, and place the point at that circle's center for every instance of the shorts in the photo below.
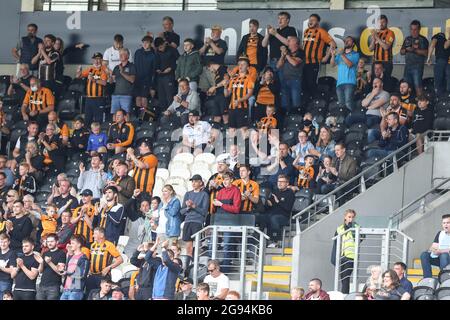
(238, 118)
(215, 106)
(189, 229)
(141, 90)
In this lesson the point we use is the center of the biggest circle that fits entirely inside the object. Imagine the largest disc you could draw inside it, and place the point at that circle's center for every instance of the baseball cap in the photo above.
(216, 27)
(187, 280)
(97, 55)
(194, 113)
(196, 177)
(87, 192)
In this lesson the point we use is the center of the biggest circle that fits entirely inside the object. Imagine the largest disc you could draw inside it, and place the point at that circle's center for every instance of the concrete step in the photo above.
(287, 269)
(277, 295)
(274, 278)
(419, 272)
(284, 261)
(270, 286)
(278, 251)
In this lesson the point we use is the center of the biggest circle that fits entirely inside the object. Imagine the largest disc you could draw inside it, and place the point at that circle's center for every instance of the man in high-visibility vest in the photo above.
(347, 251)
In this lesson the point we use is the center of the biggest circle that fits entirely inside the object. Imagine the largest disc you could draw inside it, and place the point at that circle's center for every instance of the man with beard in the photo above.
(21, 144)
(381, 44)
(347, 62)
(110, 216)
(315, 39)
(38, 102)
(28, 48)
(83, 215)
(196, 134)
(50, 63)
(51, 264)
(25, 272)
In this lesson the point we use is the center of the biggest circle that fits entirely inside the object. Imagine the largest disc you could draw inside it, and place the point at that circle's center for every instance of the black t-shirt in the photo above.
(10, 259)
(275, 44)
(393, 294)
(212, 56)
(440, 52)
(60, 201)
(22, 229)
(22, 281)
(37, 162)
(423, 119)
(220, 74)
(20, 93)
(50, 277)
(171, 36)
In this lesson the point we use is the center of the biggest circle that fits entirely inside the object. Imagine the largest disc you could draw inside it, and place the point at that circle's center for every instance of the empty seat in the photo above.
(301, 204)
(143, 134)
(162, 173)
(225, 219)
(444, 276)
(184, 157)
(442, 292)
(209, 158)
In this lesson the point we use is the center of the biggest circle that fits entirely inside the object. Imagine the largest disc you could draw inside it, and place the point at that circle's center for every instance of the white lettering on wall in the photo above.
(73, 22)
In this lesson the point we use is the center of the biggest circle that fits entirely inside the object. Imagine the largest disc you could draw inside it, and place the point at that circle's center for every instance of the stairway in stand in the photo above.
(277, 275)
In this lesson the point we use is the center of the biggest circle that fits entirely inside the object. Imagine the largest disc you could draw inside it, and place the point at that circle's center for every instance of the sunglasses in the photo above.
(211, 270)
(10, 195)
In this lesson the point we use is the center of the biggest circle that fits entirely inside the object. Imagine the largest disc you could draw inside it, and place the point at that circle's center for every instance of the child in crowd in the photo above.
(422, 120)
(25, 184)
(97, 140)
(151, 220)
(269, 121)
(49, 220)
(305, 174)
(361, 76)
(79, 137)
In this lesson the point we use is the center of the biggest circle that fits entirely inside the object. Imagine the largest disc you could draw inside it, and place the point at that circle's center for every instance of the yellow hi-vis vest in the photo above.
(347, 242)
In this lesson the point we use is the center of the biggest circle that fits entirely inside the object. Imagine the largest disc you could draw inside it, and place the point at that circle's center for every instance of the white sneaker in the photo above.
(273, 245)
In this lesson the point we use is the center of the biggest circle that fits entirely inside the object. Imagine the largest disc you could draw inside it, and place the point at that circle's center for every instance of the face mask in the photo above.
(307, 123)
(34, 88)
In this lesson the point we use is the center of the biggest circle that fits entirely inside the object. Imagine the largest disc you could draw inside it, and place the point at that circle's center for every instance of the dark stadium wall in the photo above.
(98, 28)
(9, 26)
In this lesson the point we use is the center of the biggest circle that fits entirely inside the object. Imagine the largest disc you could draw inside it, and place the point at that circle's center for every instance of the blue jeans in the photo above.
(290, 94)
(413, 75)
(277, 222)
(427, 261)
(121, 102)
(5, 286)
(378, 153)
(368, 119)
(72, 295)
(373, 135)
(277, 72)
(229, 246)
(447, 75)
(345, 95)
(440, 73)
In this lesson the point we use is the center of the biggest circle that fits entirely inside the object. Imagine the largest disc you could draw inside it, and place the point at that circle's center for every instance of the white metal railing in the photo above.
(418, 204)
(373, 246)
(247, 252)
(359, 184)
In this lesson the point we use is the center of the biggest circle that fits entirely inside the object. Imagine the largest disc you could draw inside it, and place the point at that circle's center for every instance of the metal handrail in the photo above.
(390, 229)
(243, 230)
(395, 156)
(419, 198)
(358, 176)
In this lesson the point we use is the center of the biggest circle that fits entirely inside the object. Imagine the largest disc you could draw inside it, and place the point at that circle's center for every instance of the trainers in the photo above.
(273, 245)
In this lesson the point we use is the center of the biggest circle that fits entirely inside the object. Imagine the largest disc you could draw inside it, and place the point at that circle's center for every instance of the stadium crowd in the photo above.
(72, 183)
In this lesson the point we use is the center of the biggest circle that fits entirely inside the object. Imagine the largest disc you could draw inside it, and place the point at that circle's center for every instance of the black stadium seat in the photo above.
(442, 124)
(4, 84)
(143, 134)
(289, 137)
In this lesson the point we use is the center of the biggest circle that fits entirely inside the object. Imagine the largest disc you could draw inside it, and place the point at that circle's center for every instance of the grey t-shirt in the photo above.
(376, 112)
(123, 86)
(198, 214)
(291, 72)
(412, 58)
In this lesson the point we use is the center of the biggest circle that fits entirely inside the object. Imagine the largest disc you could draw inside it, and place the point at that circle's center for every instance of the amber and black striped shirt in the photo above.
(253, 187)
(93, 89)
(306, 174)
(145, 178)
(314, 44)
(82, 227)
(218, 179)
(240, 87)
(39, 100)
(381, 54)
(102, 255)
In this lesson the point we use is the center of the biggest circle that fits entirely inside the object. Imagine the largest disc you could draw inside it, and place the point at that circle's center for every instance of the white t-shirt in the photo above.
(112, 55)
(199, 133)
(217, 284)
(162, 220)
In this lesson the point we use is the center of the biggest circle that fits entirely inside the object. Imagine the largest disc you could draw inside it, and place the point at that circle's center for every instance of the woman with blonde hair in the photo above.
(325, 144)
(171, 207)
(374, 282)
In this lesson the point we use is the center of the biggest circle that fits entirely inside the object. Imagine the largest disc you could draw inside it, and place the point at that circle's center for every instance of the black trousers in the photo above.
(24, 295)
(346, 271)
(167, 89)
(310, 74)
